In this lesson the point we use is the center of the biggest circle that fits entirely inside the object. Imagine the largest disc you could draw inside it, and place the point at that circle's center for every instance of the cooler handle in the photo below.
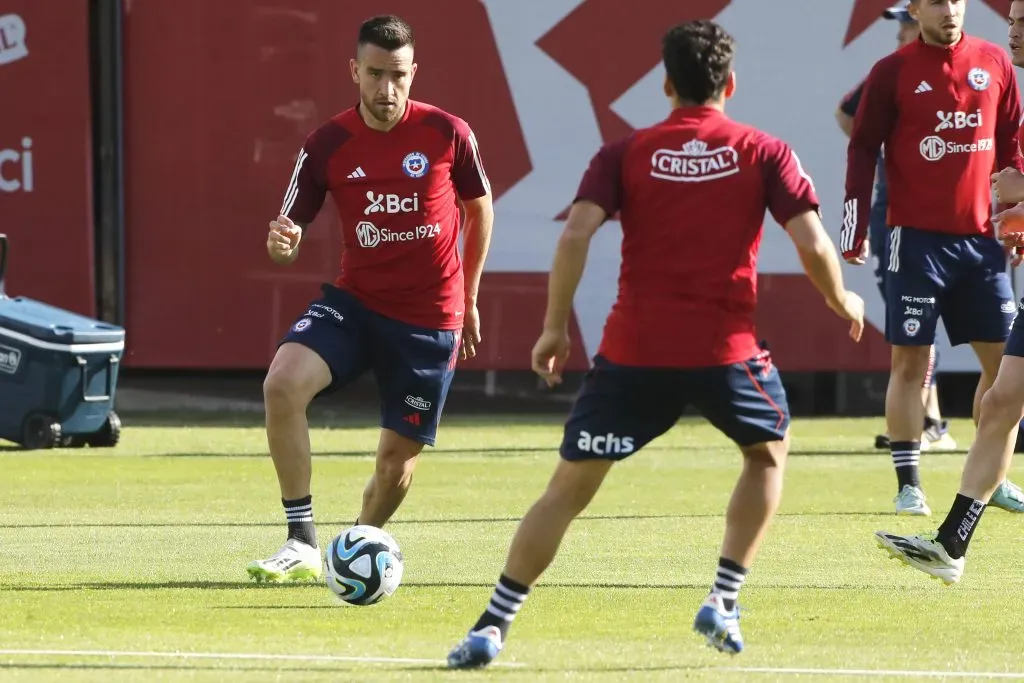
(82, 365)
(3, 261)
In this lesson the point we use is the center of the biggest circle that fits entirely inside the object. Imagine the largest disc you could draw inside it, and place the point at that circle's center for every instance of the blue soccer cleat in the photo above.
(477, 650)
(719, 626)
(1008, 497)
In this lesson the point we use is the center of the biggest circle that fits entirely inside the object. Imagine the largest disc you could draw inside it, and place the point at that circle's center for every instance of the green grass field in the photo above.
(111, 562)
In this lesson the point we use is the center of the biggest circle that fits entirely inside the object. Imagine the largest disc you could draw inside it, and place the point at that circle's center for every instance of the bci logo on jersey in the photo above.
(957, 120)
(391, 203)
(694, 163)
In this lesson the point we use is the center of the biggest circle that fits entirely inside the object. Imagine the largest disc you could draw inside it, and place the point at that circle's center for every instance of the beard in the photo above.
(944, 37)
(382, 113)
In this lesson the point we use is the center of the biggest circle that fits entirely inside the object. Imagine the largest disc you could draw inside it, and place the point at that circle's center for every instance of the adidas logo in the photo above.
(358, 173)
(413, 419)
(923, 87)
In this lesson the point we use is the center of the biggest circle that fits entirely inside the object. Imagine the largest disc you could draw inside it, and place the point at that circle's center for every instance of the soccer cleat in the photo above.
(923, 553)
(1008, 497)
(295, 561)
(938, 438)
(882, 442)
(477, 650)
(911, 501)
(720, 627)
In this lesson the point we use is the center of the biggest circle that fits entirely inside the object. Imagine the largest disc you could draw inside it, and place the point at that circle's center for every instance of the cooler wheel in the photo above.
(40, 431)
(109, 434)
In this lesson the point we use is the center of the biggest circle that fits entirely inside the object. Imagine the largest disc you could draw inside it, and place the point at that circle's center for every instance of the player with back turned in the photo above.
(404, 305)
(692, 192)
(946, 108)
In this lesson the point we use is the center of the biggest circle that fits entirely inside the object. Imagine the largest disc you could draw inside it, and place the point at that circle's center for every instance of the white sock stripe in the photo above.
(727, 594)
(301, 518)
(509, 593)
(729, 574)
(511, 606)
(300, 508)
(910, 452)
(728, 585)
(501, 615)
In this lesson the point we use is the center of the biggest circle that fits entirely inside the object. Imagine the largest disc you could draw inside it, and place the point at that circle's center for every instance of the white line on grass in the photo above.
(252, 656)
(874, 672)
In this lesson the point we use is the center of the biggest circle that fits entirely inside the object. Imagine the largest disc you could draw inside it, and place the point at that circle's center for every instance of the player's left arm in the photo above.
(474, 190)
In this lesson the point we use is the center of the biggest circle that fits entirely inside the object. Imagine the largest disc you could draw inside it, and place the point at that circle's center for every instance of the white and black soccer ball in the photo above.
(363, 565)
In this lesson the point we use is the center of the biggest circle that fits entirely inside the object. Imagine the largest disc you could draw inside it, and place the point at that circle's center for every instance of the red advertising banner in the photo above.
(45, 152)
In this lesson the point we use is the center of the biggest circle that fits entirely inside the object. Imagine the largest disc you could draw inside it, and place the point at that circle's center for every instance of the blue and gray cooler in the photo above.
(58, 374)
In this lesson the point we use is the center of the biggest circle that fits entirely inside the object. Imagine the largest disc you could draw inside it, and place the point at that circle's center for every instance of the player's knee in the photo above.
(1002, 404)
(394, 473)
(283, 390)
(768, 454)
(910, 364)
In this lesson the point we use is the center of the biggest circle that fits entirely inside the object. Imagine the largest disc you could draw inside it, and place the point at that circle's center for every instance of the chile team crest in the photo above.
(415, 165)
(978, 79)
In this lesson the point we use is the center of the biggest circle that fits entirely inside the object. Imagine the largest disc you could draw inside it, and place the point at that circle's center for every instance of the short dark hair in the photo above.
(698, 58)
(387, 31)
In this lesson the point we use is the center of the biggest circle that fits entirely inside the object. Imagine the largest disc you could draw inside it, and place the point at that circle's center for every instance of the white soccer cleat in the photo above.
(295, 561)
(923, 553)
(911, 501)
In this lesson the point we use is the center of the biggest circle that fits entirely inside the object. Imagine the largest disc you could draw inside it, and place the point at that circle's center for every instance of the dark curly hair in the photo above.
(698, 58)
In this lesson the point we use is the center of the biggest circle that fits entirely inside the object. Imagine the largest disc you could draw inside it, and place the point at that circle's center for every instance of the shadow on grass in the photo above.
(418, 522)
(413, 585)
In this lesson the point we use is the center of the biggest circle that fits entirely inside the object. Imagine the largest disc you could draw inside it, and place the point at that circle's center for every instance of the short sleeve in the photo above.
(789, 190)
(468, 172)
(602, 181)
(851, 101)
(307, 187)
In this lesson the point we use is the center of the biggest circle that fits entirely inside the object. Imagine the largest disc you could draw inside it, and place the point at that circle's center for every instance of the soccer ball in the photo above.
(363, 565)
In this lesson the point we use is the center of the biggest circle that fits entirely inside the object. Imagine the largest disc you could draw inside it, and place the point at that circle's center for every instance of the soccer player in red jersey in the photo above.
(692, 192)
(405, 303)
(946, 107)
(941, 554)
(935, 434)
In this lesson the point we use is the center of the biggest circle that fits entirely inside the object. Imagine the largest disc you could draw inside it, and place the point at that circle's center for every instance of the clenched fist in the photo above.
(283, 240)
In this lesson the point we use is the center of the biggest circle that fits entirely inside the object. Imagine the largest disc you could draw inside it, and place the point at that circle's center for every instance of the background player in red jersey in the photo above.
(935, 433)
(947, 108)
(397, 170)
(692, 191)
(941, 554)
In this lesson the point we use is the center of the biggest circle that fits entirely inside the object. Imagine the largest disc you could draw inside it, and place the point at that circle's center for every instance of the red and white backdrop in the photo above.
(46, 151)
(221, 94)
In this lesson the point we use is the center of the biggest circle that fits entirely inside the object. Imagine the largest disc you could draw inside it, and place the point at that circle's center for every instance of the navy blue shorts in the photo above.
(621, 409)
(413, 365)
(961, 279)
(1015, 342)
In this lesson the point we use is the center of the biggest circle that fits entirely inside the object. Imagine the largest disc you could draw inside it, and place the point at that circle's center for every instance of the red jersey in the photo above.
(692, 193)
(397, 196)
(946, 116)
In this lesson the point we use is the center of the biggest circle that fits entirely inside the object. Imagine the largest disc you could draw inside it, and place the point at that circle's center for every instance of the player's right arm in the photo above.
(793, 202)
(307, 189)
(872, 126)
(599, 196)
